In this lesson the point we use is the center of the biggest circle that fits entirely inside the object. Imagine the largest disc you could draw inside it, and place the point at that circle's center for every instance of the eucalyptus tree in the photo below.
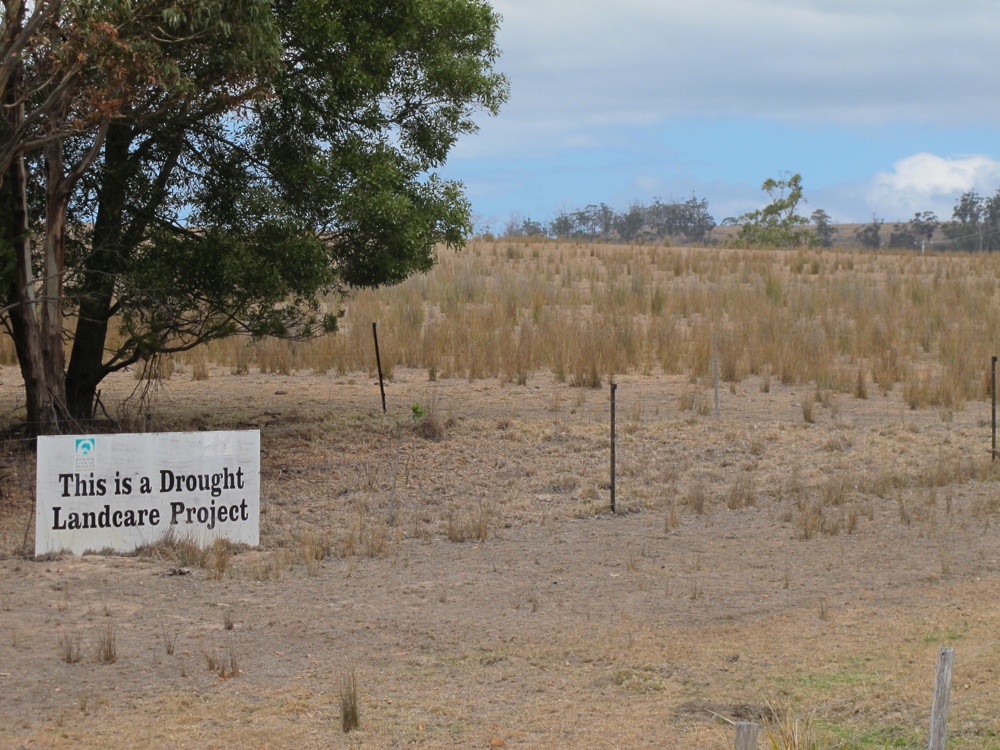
(870, 235)
(777, 224)
(825, 230)
(269, 154)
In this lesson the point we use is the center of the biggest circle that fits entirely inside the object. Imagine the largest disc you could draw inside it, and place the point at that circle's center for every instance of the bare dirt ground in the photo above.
(758, 564)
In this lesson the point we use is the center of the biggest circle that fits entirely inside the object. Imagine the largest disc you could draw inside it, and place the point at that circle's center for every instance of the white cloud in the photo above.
(926, 182)
(803, 60)
(642, 98)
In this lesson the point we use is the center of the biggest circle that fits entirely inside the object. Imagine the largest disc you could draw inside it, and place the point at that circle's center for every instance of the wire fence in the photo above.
(653, 418)
(972, 717)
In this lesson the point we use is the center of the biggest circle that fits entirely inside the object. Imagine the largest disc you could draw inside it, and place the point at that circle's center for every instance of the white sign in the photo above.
(123, 491)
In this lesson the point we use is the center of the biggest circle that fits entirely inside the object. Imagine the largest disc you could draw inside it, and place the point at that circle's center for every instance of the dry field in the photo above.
(798, 559)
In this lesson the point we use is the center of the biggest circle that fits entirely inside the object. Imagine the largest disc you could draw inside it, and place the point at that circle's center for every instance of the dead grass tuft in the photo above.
(790, 732)
(171, 547)
(69, 648)
(350, 715)
(169, 640)
(368, 536)
(808, 409)
(697, 497)
(107, 645)
(742, 493)
(429, 427)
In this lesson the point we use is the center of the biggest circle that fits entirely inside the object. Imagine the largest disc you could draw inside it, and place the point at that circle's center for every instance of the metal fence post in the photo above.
(614, 387)
(378, 364)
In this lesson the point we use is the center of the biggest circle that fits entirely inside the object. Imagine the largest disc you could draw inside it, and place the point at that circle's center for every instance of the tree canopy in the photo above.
(777, 224)
(258, 156)
(915, 233)
(686, 221)
(975, 222)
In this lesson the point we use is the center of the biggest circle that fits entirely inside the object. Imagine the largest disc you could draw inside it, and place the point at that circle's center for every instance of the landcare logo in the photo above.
(86, 448)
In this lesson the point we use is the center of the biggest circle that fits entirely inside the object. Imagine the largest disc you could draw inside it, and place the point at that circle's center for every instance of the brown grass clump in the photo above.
(107, 645)
(697, 497)
(172, 547)
(808, 409)
(350, 715)
(225, 662)
(218, 560)
(670, 520)
(368, 536)
(473, 524)
(741, 493)
(429, 427)
(69, 648)
(199, 364)
(169, 640)
(790, 732)
(313, 548)
(266, 566)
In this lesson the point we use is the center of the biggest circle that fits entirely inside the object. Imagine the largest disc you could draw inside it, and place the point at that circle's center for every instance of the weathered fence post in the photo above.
(378, 364)
(746, 735)
(942, 698)
(614, 387)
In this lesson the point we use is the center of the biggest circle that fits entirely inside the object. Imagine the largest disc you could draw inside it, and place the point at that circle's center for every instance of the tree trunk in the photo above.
(23, 317)
(118, 231)
(44, 394)
(51, 330)
(86, 367)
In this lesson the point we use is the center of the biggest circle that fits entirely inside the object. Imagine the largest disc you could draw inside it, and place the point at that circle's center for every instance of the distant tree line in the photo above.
(974, 226)
(688, 222)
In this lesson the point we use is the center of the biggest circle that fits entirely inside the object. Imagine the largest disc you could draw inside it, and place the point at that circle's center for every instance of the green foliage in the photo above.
(417, 412)
(825, 231)
(279, 152)
(777, 224)
(975, 223)
(870, 235)
(915, 233)
(687, 221)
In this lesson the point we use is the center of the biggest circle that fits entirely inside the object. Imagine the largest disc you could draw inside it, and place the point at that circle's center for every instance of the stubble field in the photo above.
(802, 556)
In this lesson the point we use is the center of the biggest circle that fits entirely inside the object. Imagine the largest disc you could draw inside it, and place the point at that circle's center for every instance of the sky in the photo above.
(885, 107)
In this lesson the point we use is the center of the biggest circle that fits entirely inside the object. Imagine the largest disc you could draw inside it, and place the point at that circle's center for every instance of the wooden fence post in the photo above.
(942, 698)
(746, 735)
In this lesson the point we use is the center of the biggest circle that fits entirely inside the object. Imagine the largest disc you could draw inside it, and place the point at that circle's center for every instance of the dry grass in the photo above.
(742, 494)
(107, 645)
(697, 497)
(169, 640)
(350, 715)
(589, 312)
(180, 549)
(790, 732)
(525, 466)
(222, 661)
(69, 648)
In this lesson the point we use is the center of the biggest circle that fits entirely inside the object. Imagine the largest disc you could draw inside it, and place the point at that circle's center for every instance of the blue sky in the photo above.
(884, 106)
